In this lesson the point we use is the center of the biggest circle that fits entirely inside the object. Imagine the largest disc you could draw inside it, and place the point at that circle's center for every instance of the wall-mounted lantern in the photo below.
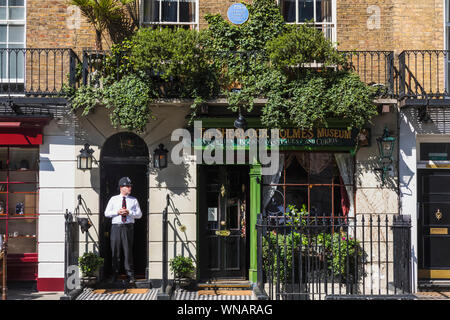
(160, 157)
(240, 122)
(85, 158)
(386, 145)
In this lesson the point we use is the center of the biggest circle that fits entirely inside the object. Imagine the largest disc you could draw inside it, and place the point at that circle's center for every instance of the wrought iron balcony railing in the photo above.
(37, 72)
(375, 68)
(423, 74)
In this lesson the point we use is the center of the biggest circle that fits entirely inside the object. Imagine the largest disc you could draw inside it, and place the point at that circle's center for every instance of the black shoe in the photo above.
(131, 281)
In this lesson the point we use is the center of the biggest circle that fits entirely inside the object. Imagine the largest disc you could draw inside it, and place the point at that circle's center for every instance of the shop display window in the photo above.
(19, 209)
(321, 183)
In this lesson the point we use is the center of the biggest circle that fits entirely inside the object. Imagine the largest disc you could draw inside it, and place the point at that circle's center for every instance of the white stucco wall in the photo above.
(57, 168)
(412, 131)
(179, 181)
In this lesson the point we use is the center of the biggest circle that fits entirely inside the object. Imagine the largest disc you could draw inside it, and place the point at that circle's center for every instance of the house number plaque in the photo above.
(438, 230)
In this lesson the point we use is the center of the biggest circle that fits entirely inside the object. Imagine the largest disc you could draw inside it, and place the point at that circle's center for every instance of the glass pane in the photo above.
(151, 11)
(16, 63)
(187, 10)
(16, 3)
(24, 159)
(305, 10)
(3, 33)
(321, 167)
(288, 10)
(2, 232)
(3, 71)
(16, 33)
(169, 11)
(16, 13)
(3, 13)
(297, 197)
(320, 201)
(323, 11)
(297, 165)
(435, 151)
(2, 2)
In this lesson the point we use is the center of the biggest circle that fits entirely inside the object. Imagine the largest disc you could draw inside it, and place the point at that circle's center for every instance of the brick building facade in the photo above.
(385, 28)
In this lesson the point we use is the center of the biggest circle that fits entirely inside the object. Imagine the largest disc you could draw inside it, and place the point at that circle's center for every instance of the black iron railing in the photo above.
(423, 74)
(93, 66)
(318, 258)
(375, 68)
(37, 72)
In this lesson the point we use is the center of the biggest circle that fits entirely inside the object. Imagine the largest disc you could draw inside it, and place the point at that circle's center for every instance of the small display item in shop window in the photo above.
(24, 165)
(2, 207)
(19, 208)
(2, 187)
(1, 242)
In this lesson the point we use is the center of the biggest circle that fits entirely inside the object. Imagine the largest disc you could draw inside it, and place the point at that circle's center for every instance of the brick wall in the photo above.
(361, 24)
(213, 7)
(390, 25)
(51, 25)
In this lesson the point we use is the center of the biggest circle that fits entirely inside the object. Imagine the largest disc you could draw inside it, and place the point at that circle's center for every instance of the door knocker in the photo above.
(438, 214)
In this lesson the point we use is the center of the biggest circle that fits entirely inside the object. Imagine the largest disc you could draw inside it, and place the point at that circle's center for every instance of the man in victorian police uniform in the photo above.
(123, 209)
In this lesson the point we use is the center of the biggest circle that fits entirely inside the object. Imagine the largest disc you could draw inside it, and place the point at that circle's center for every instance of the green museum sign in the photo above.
(289, 138)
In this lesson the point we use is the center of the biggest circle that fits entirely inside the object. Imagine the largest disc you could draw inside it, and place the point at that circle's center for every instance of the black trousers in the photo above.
(122, 239)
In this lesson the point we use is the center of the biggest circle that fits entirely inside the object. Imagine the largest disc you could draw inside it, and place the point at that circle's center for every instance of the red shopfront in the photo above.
(19, 194)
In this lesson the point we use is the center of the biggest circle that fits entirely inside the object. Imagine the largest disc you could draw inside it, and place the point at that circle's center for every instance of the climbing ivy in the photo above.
(303, 78)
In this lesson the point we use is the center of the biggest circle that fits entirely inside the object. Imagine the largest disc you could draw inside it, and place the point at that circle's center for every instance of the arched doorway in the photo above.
(125, 154)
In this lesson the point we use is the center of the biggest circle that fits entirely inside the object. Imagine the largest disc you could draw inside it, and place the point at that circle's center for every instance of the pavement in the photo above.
(28, 291)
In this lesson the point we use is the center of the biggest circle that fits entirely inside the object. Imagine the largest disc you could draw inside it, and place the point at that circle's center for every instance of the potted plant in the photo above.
(89, 263)
(183, 269)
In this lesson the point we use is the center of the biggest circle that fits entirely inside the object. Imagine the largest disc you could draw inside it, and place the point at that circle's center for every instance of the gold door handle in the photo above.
(222, 191)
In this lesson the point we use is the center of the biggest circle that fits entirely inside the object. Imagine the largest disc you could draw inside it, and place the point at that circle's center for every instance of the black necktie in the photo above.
(124, 206)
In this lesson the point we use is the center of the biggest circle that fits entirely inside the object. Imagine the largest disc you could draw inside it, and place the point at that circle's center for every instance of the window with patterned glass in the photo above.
(320, 12)
(170, 12)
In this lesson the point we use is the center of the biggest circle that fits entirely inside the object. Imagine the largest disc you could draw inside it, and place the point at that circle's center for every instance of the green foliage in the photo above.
(300, 45)
(129, 98)
(181, 267)
(286, 252)
(343, 254)
(305, 80)
(89, 263)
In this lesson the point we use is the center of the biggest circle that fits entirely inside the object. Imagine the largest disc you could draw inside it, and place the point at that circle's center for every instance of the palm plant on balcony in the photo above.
(110, 16)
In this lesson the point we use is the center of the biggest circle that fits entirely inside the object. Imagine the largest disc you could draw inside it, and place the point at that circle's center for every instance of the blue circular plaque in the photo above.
(237, 13)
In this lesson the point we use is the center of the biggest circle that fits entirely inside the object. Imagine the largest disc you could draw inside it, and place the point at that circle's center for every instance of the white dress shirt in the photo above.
(115, 204)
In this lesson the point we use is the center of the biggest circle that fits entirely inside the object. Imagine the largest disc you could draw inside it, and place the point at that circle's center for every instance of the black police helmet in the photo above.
(125, 181)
